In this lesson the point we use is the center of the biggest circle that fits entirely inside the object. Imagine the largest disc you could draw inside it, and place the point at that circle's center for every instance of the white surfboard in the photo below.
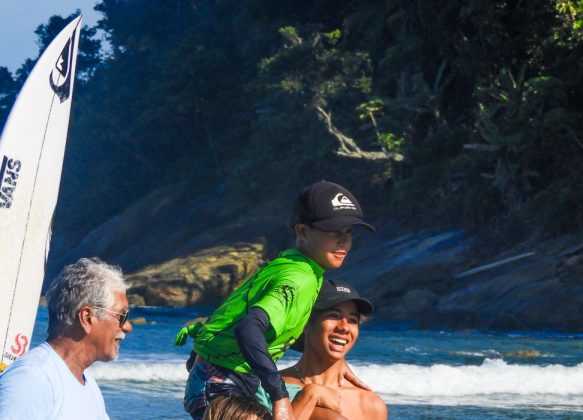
(32, 147)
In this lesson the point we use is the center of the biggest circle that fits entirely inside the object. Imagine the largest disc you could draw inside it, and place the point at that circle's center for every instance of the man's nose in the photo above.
(127, 327)
(345, 238)
(342, 324)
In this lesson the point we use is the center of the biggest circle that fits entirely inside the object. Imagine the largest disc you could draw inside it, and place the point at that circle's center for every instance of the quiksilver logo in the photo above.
(60, 77)
(341, 202)
(9, 178)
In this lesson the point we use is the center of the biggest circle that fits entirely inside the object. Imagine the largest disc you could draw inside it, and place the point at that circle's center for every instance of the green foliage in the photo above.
(8, 92)
(573, 10)
(326, 74)
(290, 35)
(478, 106)
(334, 36)
(392, 143)
(522, 121)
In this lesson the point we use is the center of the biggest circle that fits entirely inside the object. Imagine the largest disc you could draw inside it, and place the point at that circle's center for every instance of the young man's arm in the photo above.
(250, 335)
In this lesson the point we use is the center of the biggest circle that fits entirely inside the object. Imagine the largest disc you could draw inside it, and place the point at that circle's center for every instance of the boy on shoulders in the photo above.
(238, 346)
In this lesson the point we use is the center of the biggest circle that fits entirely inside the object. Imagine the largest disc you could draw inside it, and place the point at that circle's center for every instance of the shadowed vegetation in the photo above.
(464, 113)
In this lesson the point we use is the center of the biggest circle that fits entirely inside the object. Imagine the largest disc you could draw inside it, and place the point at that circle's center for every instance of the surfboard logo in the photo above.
(20, 345)
(60, 77)
(8, 180)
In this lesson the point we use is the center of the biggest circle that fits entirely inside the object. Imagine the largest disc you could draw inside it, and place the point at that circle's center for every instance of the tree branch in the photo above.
(347, 146)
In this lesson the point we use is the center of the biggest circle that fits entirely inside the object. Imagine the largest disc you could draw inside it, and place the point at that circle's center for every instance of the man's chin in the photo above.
(337, 260)
(114, 355)
(334, 265)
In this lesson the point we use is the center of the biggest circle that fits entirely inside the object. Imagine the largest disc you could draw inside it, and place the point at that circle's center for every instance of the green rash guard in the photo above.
(286, 289)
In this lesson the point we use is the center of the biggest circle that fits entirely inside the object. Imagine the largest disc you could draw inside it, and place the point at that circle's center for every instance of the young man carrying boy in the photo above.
(261, 319)
(330, 334)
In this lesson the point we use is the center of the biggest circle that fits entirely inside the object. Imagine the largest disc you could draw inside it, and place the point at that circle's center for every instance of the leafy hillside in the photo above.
(449, 113)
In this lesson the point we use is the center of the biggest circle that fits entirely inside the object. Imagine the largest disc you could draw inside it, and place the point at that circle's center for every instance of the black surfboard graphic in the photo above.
(60, 77)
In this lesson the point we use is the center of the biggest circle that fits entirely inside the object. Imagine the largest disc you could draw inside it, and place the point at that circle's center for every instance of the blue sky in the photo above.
(19, 19)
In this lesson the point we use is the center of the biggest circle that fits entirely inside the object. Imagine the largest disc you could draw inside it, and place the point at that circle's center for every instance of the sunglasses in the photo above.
(123, 317)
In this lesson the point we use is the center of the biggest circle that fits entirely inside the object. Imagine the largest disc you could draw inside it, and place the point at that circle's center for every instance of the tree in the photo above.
(8, 92)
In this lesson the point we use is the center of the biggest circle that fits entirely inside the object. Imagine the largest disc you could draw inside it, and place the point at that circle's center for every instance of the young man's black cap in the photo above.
(333, 293)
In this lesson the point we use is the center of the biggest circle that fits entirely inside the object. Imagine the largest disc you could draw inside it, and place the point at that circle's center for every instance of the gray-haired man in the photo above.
(88, 317)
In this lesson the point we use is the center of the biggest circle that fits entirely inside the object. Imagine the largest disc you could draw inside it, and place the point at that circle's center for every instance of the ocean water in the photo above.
(419, 374)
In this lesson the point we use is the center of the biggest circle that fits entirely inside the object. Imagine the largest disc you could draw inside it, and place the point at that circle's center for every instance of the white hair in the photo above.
(88, 282)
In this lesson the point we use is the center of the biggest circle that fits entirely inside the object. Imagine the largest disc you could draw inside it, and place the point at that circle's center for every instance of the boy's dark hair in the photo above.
(233, 407)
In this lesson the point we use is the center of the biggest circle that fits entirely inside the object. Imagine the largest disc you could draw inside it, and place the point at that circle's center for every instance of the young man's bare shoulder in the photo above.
(370, 405)
(376, 406)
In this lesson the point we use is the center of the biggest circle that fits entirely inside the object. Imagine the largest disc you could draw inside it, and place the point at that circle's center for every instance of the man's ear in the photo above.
(308, 325)
(85, 318)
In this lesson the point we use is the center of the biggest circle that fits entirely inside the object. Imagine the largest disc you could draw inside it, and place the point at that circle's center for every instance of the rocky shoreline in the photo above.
(411, 278)
(424, 278)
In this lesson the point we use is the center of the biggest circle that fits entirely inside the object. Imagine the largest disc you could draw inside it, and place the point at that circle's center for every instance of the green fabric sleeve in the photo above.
(283, 299)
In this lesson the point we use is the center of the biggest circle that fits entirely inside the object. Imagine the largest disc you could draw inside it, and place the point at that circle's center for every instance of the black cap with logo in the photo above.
(328, 207)
(334, 293)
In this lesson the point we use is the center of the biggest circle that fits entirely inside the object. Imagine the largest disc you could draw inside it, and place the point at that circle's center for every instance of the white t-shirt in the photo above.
(40, 385)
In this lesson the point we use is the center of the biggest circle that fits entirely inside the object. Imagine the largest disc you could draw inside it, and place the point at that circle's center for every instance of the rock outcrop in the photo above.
(204, 277)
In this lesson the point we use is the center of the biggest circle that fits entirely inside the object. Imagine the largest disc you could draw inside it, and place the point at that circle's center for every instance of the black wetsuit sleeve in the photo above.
(250, 334)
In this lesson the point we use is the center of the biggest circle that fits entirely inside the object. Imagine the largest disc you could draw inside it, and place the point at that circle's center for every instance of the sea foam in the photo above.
(139, 372)
(494, 376)
(493, 383)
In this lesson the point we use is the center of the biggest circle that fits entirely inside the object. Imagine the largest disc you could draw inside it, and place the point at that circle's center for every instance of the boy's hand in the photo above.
(346, 374)
(282, 410)
(326, 397)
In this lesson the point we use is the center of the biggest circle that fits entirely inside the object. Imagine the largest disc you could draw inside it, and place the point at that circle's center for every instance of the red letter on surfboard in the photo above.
(21, 342)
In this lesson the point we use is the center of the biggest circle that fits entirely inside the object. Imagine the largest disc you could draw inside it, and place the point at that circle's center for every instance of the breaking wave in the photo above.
(493, 383)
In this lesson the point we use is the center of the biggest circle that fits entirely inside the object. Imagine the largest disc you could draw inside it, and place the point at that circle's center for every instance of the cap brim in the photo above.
(363, 306)
(339, 223)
